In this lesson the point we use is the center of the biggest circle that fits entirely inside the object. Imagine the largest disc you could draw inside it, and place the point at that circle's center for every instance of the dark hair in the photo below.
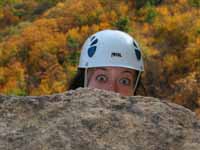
(140, 90)
(78, 81)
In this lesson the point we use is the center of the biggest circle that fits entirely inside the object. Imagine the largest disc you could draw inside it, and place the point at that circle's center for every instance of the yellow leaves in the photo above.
(54, 81)
(59, 86)
(41, 38)
(163, 10)
(15, 70)
(47, 88)
(71, 71)
(50, 44)
(151, 52)
(183, 1)
(104, 25)
(84, 29)
(1, 13)
(10, 85)
(79, 12)
(46, 24)
(193, 48)
(113, 16)
(198, 41)
(20, 72)
(103, 17)
(43, 51)
(2, 77)
(12, 77)
(74, 33)
(145, 28)
(171, 20)
(123, 9)
(170, 61)
(44, 86)
(31, 35)
(40, 30)
(95, 28)
(108, 16)
(60, 5)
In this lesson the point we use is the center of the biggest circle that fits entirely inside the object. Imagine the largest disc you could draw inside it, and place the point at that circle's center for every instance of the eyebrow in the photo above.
(101, 68)
(126, 71)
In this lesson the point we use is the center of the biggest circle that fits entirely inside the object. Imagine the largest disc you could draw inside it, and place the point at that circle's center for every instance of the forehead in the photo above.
(113, 69)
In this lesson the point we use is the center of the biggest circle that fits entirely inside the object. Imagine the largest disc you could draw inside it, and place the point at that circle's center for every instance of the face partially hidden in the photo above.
(116, 79)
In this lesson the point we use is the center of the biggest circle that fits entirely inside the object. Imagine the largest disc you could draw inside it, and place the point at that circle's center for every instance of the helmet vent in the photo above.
(138, 54)
(92, 38)
(135, 44)
(94, 42)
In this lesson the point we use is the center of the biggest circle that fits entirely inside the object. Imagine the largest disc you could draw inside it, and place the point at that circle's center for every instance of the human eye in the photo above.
(101, 78)
(125, 81)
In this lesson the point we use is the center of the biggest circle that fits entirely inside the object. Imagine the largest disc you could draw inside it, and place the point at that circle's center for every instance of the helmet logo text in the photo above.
(114, 54)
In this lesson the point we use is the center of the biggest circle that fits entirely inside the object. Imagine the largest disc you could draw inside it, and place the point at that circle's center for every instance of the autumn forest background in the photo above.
(40, 42)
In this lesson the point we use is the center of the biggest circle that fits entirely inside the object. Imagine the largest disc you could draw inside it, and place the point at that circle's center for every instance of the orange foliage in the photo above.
(13, 78)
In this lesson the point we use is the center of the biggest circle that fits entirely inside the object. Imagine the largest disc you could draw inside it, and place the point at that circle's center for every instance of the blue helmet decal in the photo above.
(91, 51)
(138, 54)
(93, 47)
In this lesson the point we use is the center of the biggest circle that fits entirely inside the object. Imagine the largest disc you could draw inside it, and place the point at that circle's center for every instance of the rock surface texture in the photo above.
(91, 119)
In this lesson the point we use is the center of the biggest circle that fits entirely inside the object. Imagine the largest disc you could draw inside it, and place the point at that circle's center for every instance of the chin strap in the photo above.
(137, 81)
(85, 78)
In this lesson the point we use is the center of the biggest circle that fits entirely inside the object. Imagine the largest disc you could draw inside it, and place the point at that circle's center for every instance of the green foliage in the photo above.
(194, 3)
(42, 7)
(171, 41)
(23, 54)
(50, 2)
(17, 92)
(151, 14)
(72, 43)
(147, 14)
(122, 24)
(73, 58)
(2, 80)
(198, 31)
(3, 2)
(91, 19)
(23, 10)
(142, 3)
(13, 30)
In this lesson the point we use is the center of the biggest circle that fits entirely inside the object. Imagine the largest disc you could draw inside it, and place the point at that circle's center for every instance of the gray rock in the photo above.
(92, 119)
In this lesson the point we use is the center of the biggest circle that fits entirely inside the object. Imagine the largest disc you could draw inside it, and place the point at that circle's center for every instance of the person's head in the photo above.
(110, 60)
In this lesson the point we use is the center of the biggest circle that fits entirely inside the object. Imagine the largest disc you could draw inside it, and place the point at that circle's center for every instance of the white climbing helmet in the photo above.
(111, 48)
